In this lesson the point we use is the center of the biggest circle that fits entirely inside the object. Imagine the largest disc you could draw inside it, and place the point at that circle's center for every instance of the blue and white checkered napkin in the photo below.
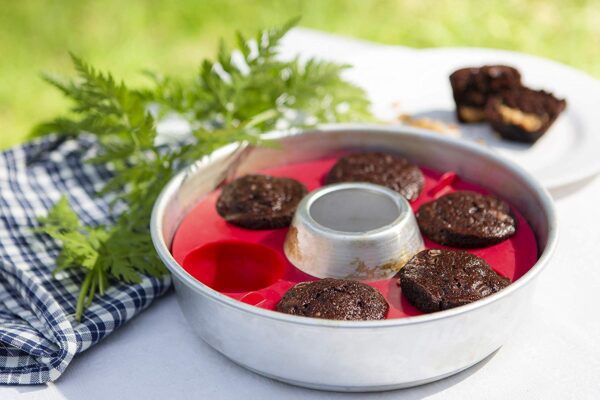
(38, 333)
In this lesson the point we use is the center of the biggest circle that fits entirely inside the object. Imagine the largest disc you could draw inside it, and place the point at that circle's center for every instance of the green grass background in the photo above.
(126, 36)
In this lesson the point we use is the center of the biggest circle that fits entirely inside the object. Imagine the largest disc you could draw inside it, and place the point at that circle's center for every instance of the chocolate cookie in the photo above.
(523, 114)
(260, 201)
(435, 280)
(383, 169)
(472, 88)
(329, 298)
(466, 219)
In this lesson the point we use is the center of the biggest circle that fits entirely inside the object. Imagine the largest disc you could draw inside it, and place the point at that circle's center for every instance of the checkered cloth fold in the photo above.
(38, 333)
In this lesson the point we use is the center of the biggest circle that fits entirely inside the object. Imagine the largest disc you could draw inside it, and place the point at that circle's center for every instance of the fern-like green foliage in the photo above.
(243, 93)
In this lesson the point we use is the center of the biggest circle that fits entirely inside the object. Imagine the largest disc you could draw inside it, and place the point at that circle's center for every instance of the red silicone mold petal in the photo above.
(234, 266)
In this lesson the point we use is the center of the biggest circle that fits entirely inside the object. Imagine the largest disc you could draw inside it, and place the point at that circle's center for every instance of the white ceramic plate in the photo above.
(416, 81)
(568, 152)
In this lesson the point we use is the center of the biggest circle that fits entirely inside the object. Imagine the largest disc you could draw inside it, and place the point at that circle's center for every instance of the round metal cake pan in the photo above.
(355, 355)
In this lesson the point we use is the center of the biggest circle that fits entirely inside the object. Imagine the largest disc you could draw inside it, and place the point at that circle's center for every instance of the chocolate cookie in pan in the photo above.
(383, 169)
(260, 201)
(466, 219)
(472, 88)
(436, 280)
(339, 299)
(523, 114)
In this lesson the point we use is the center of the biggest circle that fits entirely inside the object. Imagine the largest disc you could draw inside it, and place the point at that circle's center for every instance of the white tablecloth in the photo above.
(555, 354)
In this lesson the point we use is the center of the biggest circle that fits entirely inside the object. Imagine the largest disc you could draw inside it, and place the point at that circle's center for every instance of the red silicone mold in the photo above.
(250, 265)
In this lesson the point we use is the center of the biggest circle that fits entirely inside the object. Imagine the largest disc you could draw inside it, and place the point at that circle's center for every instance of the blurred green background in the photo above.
(173, 36)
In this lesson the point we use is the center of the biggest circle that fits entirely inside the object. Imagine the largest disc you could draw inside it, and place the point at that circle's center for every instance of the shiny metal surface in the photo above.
(353, 230)
(356, 355)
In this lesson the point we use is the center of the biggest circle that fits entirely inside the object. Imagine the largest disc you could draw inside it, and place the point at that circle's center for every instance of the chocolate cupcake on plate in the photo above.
(436, 280)
(473, 87)
(383, 169)
(339, 299)
(523, 114)
(260, 201)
